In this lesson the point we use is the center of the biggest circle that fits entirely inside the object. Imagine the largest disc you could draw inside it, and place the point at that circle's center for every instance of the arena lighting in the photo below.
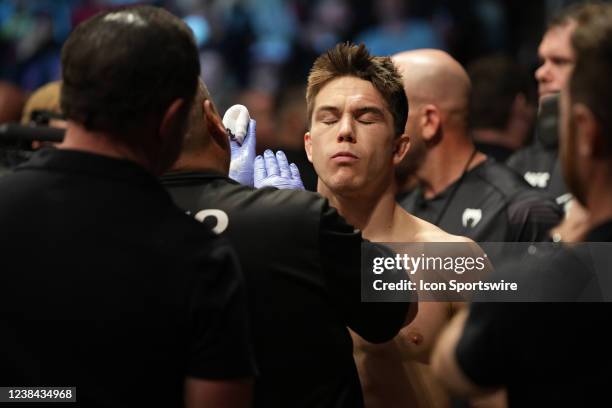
(19, 137)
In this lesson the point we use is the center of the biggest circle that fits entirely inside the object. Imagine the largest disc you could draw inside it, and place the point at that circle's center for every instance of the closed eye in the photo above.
(328, 115)
(369, 115)
(368, 118)
(329, 121)
(366, 122)
(560, 61)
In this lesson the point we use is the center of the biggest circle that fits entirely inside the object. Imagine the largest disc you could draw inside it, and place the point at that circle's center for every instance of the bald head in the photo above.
(438, 90)
(434, 77)
(47, 97)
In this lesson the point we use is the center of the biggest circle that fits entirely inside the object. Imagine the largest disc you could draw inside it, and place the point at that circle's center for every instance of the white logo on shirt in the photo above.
(537, 179)
(220, 216)
(471, 217)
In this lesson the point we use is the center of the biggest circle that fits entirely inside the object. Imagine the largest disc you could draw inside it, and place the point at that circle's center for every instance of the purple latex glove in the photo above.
(275, 171)
(243, 156)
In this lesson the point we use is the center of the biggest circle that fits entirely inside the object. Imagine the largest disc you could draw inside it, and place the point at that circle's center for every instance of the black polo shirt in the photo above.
(498, 152)
(302, 265)
(540, 167)
(545, 354)
(490, 204)
(108, 287)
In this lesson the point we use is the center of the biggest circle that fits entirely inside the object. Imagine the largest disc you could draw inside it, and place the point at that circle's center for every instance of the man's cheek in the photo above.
(318, 161)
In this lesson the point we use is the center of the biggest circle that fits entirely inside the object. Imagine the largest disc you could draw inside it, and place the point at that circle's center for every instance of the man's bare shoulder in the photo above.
(427, 232)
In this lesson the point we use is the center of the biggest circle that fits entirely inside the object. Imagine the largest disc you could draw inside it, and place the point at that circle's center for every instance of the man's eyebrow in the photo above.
(328, 108)
(369, 109)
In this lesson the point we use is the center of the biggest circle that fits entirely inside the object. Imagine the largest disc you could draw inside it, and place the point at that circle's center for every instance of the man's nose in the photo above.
(543, 73)
(346, 132)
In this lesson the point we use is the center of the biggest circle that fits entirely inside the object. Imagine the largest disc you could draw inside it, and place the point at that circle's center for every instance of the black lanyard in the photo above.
(451, 195)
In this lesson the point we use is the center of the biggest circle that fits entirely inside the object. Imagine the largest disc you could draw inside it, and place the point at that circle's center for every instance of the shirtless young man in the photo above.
(357, 112)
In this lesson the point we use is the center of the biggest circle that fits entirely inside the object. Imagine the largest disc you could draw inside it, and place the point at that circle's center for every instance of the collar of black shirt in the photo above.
(442, 194)
(193, 176)
(80, 162)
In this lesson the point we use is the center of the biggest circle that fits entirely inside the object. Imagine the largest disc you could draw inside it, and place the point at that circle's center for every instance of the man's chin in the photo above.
(343, 186)
(547, 93)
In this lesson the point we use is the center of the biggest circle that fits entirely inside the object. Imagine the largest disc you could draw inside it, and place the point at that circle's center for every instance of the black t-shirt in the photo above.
(498, 152)
(491, 203)
(540, 167)
(107, 286)
(545, 354)
(302, 265)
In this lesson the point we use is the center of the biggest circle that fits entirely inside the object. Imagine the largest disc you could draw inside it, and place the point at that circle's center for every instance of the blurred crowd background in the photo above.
(258, 52)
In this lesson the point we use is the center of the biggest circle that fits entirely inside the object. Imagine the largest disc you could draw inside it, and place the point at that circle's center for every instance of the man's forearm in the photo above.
(444, 361)
(200, 393)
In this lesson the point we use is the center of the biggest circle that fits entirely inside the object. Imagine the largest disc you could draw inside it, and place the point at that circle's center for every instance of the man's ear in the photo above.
(308, 146)
(174, 121)
(401, 147)
(589, 140)
(214, 124)
(429, 121)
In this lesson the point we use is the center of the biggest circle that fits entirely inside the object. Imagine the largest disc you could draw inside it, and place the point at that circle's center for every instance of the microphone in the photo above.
(14, 136)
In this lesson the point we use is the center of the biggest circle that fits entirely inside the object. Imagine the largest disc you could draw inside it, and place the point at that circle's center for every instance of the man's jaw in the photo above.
(337, 186)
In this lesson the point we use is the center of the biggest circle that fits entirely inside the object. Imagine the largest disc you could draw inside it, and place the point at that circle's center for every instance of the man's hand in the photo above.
(275, 171)
(575, 224)
(236, 121)
(202, 393)
(242, 143)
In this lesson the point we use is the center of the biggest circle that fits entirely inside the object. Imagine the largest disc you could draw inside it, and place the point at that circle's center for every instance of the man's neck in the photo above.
(373, 213)
(100, 143)
(445, 165)
(201, 162)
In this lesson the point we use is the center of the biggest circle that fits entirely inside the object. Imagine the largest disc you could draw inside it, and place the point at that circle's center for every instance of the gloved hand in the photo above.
(274, 171)
(242, 143)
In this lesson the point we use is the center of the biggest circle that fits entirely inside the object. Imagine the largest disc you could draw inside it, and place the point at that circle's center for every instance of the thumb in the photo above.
(251, 139)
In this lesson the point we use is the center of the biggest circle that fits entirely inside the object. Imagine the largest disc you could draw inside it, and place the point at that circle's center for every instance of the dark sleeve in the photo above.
(497, 335)
(340, 248)
(501, 341)
(489, 338)
(220, 342)
(531, 215)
